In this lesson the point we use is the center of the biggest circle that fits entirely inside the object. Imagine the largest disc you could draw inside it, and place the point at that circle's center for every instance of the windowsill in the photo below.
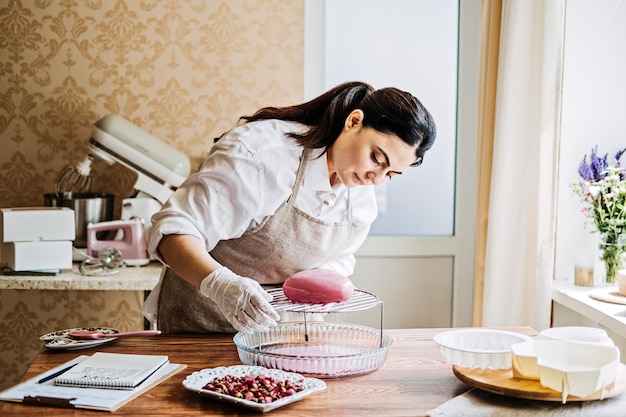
(576, 298)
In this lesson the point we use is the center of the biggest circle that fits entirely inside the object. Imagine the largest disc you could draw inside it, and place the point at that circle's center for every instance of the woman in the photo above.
(286, 191)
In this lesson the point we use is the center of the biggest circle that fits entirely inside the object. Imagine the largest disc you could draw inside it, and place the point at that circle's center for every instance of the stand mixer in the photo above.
(160, 168)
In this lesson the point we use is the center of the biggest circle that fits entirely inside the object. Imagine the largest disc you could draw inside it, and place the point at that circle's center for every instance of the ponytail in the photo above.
(324, 115)
(387, 110)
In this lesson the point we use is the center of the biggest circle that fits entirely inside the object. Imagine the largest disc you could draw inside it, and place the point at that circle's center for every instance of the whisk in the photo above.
(75, 179)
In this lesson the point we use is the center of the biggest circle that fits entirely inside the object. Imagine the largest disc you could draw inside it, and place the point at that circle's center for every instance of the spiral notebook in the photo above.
(41, 389)
(111, 370)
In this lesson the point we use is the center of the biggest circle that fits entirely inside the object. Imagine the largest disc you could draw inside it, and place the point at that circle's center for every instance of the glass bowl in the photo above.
(318, 349)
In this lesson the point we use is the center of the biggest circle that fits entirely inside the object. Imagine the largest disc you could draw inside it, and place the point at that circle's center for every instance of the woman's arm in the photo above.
(241, 300)
(187, 257)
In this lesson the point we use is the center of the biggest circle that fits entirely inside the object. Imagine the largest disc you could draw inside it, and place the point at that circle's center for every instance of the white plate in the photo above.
(61, 339)
(577, 334)
(199, 379)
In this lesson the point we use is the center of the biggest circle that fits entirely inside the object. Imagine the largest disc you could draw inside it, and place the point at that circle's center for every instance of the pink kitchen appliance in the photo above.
(129, 240)
(160, 170)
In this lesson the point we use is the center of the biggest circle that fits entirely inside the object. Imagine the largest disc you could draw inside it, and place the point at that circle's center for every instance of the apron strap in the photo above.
(299, 175)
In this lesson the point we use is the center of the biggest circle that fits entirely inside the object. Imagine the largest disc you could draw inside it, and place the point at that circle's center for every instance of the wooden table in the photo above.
(413, 380)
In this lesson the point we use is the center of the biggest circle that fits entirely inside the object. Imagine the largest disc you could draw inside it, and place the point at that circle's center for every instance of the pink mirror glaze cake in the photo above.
(318, 286)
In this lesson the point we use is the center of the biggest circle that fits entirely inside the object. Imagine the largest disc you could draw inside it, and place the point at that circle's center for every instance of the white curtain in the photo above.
(519, 258)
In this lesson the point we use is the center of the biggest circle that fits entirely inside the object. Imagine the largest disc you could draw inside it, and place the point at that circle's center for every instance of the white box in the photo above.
(36, 256)
(27, 224)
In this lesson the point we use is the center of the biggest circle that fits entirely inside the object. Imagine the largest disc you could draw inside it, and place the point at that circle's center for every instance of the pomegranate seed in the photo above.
(260, 389)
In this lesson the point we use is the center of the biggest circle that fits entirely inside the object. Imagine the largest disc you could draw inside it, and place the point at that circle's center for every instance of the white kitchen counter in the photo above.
(130, 278)
(573, 306)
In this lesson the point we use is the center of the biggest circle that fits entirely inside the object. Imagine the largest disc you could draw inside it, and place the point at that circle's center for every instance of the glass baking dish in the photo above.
(317, 349)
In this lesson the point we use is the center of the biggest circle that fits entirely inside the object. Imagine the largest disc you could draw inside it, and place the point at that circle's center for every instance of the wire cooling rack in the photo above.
(360, 300)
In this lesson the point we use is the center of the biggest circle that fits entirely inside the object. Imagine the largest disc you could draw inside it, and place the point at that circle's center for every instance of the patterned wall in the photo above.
(184, 70)
(27, 314)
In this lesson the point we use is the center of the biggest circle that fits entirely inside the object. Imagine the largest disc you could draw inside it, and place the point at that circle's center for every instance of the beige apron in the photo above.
(286, 242)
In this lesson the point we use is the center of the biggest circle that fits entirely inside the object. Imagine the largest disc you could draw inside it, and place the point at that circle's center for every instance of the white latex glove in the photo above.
(244, 303)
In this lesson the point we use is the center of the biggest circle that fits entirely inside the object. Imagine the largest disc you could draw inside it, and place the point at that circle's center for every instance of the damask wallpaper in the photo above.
(183, 70)
(27, 314)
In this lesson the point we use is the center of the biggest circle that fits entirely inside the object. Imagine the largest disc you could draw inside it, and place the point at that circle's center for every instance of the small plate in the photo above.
(61, 339)
(199, 379)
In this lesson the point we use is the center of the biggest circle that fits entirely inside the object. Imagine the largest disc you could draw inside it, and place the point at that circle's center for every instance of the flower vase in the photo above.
(611, 256)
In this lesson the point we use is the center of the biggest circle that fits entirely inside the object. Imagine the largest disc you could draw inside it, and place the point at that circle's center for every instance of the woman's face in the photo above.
(363, 156)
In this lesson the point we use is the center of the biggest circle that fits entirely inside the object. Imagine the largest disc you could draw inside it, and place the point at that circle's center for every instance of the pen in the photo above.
(54, 375)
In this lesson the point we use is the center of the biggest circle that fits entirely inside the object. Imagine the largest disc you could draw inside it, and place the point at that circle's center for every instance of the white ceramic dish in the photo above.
(524, 359)
(478, 348)
(333, 350)
(197, 380)
(62, 341)
(566, 366)
(577, 334)
(575, 368)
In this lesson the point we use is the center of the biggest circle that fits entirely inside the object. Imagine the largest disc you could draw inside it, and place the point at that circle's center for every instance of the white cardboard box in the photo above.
(36, 256)
(27, 224)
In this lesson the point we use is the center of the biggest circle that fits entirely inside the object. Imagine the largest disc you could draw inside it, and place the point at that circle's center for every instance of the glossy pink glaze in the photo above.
(318, 286)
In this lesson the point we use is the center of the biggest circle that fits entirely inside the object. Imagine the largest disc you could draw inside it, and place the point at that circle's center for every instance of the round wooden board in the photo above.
(608, 295)
(502, 382)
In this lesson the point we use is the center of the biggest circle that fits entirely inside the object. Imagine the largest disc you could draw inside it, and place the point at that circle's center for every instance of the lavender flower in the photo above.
(602, 190)
(597, 168)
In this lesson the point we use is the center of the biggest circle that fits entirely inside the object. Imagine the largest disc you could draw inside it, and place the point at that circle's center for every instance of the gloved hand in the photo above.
(243, 301)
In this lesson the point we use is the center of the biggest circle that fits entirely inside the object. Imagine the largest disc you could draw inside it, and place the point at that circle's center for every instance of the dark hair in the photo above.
(387, 110)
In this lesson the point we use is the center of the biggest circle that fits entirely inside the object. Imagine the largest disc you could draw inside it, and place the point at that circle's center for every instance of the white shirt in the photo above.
(249, 173)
